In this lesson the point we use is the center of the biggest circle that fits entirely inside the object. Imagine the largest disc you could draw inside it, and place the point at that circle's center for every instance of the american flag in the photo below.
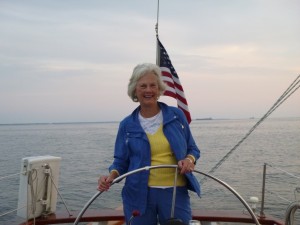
(170, 77)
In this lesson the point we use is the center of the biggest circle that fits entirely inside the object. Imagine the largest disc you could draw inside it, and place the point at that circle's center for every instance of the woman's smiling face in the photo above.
(147, 90)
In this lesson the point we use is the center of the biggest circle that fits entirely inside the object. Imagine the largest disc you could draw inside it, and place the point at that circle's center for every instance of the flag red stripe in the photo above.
(169, 76)
(170, 94)
(171, 85)
(187, 114)
(176, 96)
(178, 86)
(182, 99)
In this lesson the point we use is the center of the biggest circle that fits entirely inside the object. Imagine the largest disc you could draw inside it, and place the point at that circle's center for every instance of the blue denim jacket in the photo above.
(132, 151)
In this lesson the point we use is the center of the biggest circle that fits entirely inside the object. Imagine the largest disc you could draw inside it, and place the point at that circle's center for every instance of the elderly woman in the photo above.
(153, 134)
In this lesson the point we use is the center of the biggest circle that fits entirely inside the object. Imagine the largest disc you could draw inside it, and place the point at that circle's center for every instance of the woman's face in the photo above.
(147, 90)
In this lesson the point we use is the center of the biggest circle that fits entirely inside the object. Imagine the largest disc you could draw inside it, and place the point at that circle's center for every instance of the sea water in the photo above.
(86, 150)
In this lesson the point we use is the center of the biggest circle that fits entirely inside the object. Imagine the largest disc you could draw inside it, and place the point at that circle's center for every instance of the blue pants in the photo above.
(159, 207)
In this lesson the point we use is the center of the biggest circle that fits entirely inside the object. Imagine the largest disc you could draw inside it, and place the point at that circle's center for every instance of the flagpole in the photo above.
(169, 75)
(156, 30)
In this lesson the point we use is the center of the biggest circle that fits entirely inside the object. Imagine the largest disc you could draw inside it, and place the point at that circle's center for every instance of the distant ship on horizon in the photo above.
(207, 118)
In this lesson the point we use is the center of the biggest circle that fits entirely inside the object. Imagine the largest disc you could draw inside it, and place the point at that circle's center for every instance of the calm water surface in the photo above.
(86, 150)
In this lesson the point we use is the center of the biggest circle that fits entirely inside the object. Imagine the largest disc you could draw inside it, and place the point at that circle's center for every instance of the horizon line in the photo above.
(115, 121)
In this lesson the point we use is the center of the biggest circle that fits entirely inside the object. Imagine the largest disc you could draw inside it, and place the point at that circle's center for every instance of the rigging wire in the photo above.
(288, 173)
(60, 195)
(287, 93)
(11, 175)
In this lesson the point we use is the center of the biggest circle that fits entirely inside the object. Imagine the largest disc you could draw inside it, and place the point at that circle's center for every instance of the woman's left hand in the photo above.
(186, 166)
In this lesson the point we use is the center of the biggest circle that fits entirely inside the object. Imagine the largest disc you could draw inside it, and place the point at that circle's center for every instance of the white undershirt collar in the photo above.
(150, 125)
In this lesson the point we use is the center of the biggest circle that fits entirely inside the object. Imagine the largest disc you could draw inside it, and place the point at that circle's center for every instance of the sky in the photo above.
(71, 60)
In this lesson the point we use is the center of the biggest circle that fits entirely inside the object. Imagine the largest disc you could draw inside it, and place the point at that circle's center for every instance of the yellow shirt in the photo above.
(161, 153)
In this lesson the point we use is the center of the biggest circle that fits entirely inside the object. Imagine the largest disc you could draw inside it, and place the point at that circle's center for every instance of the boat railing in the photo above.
(5, 178)
(293, 204)
(290, 211)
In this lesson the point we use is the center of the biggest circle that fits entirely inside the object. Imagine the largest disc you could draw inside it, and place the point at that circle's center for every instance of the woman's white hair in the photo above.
(139, 71)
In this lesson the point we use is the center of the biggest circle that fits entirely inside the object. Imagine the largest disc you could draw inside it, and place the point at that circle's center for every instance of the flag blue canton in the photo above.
(165, 60)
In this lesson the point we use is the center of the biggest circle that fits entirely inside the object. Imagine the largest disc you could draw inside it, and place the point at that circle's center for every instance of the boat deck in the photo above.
(93, 215)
